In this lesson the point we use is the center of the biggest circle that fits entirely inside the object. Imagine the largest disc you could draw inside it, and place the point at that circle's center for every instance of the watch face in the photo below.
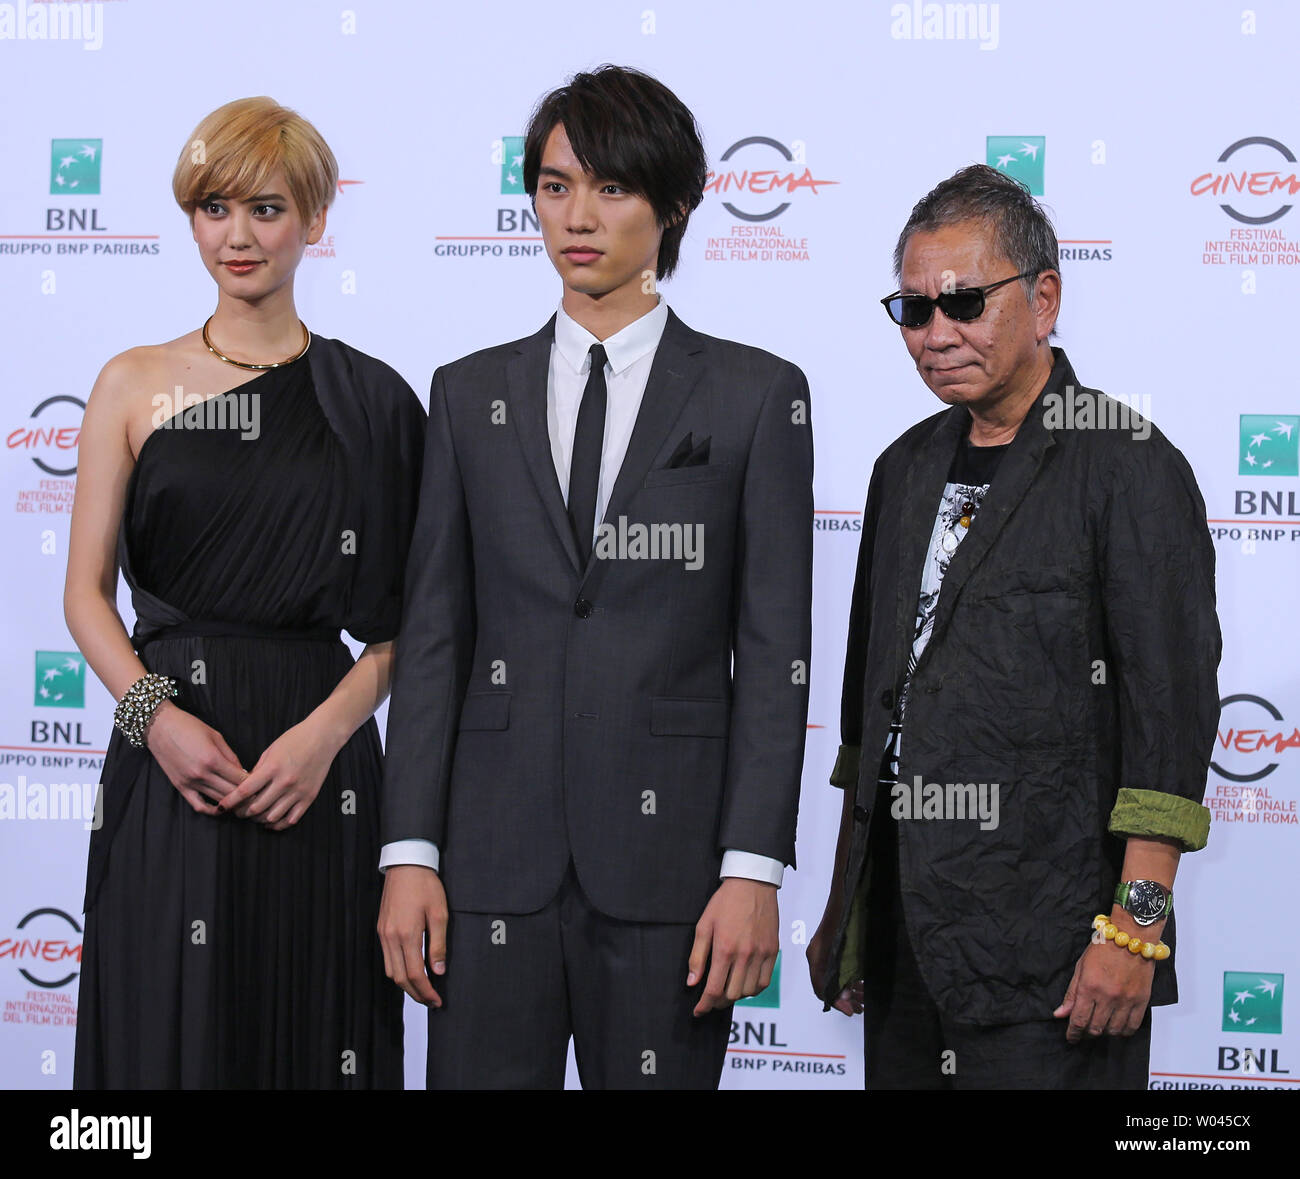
(1146, 901)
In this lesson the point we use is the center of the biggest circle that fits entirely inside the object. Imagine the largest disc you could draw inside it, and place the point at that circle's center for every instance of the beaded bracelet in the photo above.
(1103, 925)
(138, 704)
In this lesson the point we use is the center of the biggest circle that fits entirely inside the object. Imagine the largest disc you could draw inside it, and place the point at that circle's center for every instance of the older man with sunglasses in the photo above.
(1029, 699)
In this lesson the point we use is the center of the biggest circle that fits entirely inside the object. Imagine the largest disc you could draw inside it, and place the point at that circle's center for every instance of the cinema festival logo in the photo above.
(1022, 157)
(1269, 444)
(60, 679)
(758, 193)
(44, 943)
(1254, 177)
(1252, 1002)
(1252, 740)
(57, 437)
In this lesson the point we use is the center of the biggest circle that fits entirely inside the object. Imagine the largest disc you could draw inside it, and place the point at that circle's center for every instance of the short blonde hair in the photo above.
(238, 146)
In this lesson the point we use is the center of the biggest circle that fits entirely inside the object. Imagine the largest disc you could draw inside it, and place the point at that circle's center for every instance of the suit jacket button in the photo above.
(582, 608)
(887, 698)
(860, 814)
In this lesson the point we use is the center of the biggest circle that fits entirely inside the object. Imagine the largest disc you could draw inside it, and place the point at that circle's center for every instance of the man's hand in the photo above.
(413, 915)
(1108, 994)
(738, 937)
(850, 999)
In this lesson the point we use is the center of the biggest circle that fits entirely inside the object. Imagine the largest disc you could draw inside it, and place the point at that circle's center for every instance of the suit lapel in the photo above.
(674, 373)
(922, 489)
(527, 374)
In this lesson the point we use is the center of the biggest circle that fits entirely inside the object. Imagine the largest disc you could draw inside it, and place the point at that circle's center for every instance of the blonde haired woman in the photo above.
(232, 890)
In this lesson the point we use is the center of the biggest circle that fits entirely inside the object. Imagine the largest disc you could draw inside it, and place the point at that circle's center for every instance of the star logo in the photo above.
(75, 164)
(1268, 444)
(1021, 156)
(60, 682)
(1252, 1002)
(512, 164)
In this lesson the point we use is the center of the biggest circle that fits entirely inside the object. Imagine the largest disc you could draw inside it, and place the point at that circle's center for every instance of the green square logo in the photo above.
(74, 166)
(1252, 1003)
(770, 995)
(1021, 156)
(1269, 444)
(512, 164)
(60, 679)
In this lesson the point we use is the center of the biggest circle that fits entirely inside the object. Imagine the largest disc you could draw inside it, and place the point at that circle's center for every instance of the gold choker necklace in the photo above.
(306, 343)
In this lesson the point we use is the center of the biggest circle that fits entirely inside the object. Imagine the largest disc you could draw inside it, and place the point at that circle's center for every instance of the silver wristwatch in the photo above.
(1145, 900)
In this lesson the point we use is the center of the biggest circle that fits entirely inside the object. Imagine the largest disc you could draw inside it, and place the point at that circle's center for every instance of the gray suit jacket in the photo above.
(637, 714)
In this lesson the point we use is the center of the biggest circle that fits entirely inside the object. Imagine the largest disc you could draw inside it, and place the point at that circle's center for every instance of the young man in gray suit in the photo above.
(599, 703)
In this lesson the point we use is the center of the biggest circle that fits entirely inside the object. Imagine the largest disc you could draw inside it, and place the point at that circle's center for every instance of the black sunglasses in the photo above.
(963, 304)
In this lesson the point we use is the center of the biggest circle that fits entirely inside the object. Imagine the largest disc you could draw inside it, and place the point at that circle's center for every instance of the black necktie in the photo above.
(588, 442)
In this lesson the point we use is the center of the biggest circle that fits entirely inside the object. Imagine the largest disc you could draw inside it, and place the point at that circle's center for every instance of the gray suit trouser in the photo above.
(518, 986)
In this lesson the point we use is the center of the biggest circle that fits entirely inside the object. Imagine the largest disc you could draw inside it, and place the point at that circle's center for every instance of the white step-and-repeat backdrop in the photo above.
(1162, 135)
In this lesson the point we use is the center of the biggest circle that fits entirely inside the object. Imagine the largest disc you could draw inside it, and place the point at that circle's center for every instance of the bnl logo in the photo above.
(60, 679)
(1023, 157)
(74, 166)
(1252, 1002)
(512, 164)
(1269, 444)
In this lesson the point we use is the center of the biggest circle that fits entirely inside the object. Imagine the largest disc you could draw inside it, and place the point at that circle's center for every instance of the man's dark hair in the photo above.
(1021, 229)
(626, 127)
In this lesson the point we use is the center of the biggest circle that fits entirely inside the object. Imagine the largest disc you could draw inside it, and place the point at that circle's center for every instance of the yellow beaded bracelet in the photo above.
(1103, 925)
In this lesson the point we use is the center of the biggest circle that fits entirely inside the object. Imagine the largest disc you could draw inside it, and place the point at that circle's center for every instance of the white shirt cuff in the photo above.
(409, 851)
(752, 866)
(747, 865)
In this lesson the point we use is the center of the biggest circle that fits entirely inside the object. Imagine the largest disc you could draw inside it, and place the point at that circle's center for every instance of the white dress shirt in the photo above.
(628, 356)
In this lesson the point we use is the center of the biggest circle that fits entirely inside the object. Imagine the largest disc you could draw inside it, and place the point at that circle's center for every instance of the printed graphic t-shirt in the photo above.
(969, 477)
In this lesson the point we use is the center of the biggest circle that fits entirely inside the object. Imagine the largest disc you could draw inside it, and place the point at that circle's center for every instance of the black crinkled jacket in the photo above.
(1073, 661)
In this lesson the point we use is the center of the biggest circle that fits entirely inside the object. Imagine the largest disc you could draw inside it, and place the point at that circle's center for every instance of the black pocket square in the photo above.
(689, 454)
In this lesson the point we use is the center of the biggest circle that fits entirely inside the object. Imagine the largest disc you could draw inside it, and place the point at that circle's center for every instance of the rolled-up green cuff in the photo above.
(1152, 814)
(845, 772)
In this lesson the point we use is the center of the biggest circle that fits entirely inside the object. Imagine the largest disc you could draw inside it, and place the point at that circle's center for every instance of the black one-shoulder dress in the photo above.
(218, 953)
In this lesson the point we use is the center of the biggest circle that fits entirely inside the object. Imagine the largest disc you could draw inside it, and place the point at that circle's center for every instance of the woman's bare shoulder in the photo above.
(147, 366)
